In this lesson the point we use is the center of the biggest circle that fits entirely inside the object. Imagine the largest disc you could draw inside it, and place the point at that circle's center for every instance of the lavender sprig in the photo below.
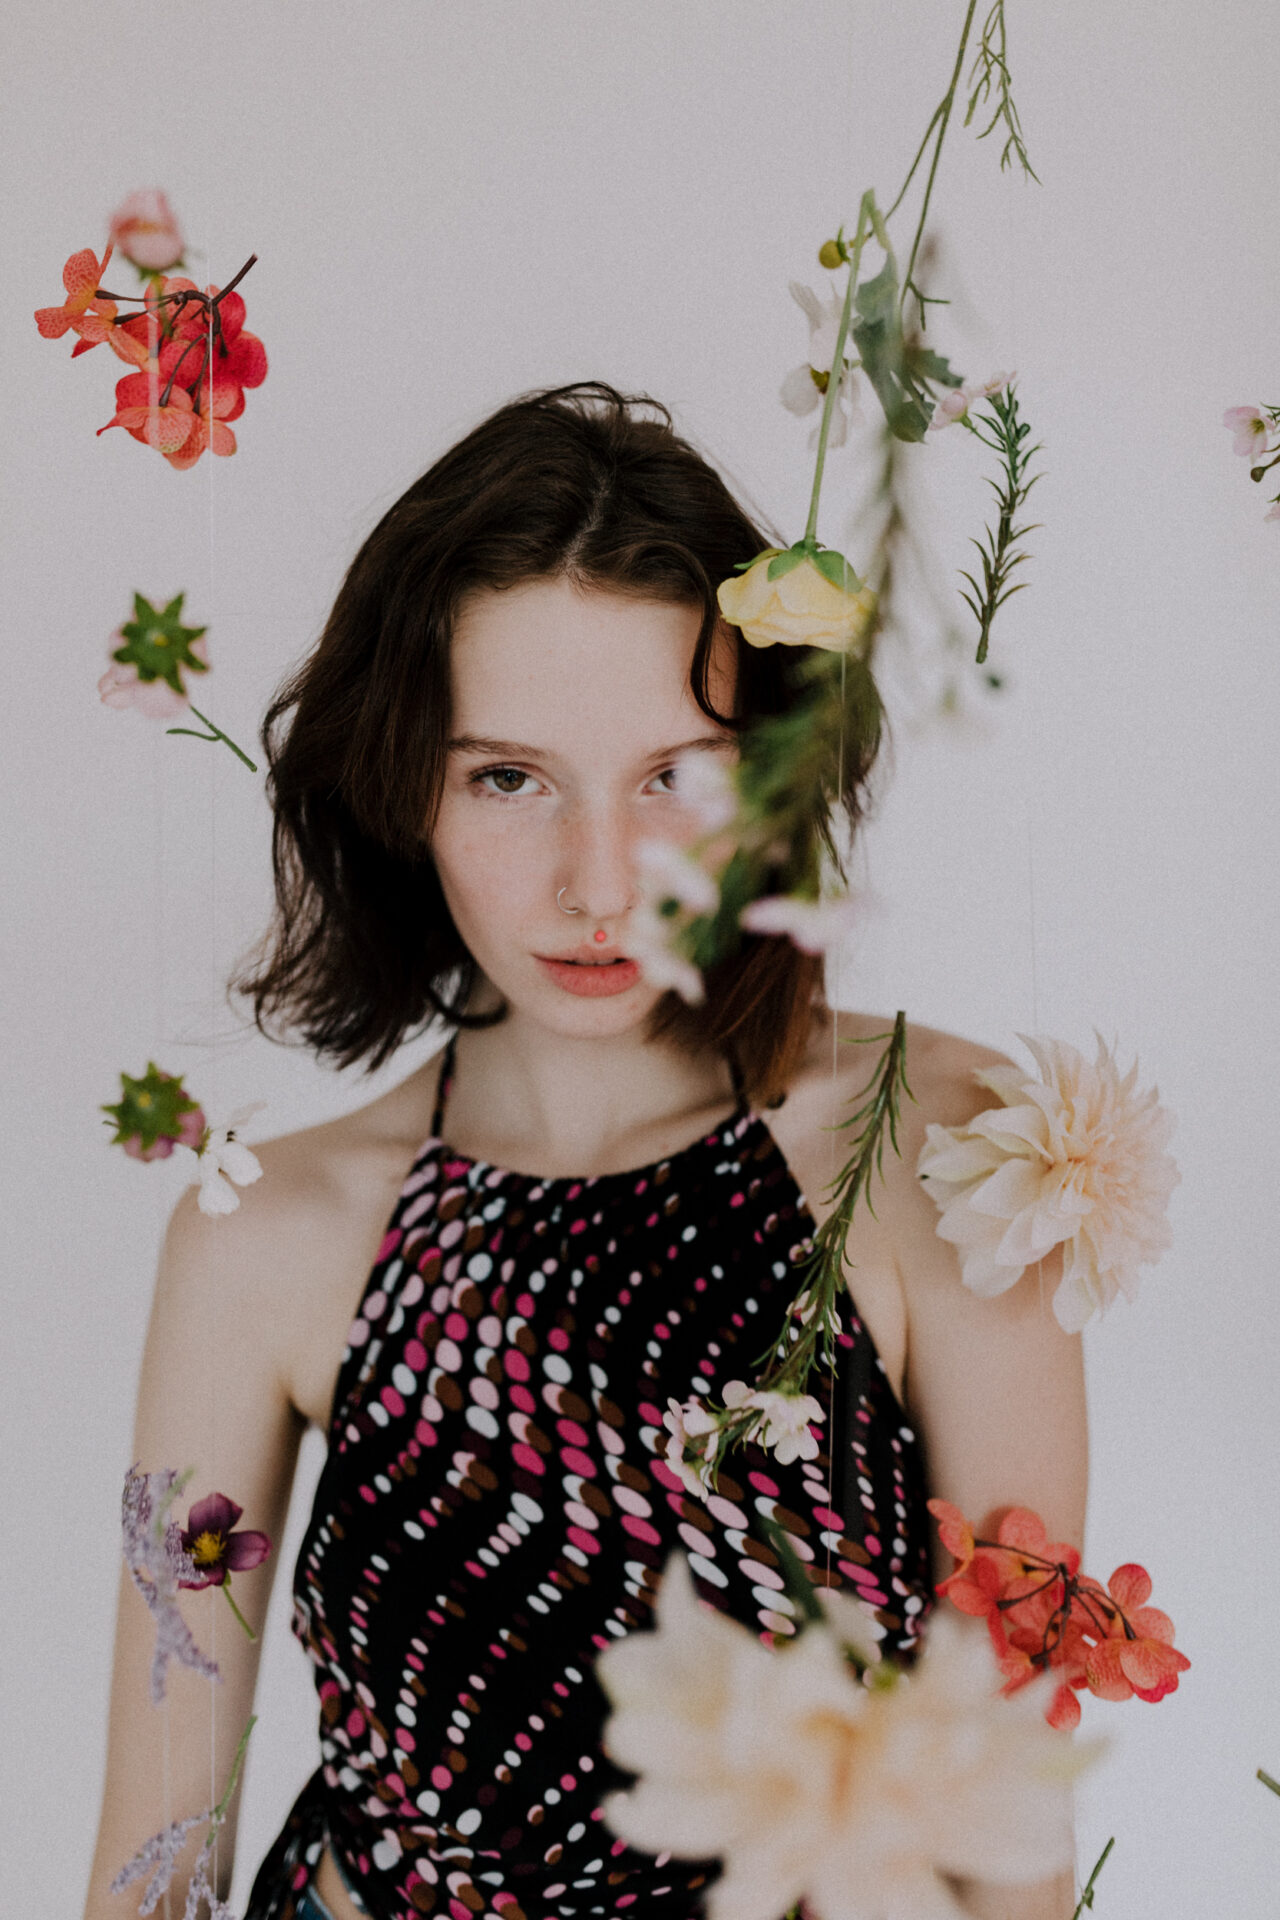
(155, 1556)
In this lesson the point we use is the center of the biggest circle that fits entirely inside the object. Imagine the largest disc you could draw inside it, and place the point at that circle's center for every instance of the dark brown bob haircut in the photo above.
(575, 482)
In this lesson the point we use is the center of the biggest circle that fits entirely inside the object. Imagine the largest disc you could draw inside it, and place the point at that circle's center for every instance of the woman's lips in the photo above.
(591, 981)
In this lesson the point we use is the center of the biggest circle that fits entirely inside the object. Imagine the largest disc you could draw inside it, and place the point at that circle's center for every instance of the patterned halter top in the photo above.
(496, 1508)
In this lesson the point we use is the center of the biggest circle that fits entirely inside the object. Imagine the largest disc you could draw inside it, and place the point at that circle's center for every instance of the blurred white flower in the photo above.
(704, 783)
(785, 1419)
(648, 937)
(801, 392)
(815, 926)
(1076, 1159)
(222, 1160)
(812, 1786)
(667, 872)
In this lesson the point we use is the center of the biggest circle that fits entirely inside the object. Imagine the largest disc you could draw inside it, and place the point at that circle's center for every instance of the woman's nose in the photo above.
(598, 867)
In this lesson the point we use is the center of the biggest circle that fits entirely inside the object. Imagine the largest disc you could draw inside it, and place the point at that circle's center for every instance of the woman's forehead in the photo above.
(542, 660)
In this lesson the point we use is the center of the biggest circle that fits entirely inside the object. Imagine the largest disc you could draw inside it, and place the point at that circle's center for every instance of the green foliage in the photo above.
(990, 71)
(151, 1108)
(158, 645)
(1086, 1898)
(899, 372)
(999, 549)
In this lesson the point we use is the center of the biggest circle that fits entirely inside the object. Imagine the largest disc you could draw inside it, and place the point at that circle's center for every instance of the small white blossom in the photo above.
(786, 1419)
(686, 1425)
(705, 785)
(223, 1159)
(801, 392)
(955, 403)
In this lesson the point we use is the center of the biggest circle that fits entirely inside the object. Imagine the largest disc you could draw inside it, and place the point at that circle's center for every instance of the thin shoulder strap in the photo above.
(735, 1068)
(444, 1084)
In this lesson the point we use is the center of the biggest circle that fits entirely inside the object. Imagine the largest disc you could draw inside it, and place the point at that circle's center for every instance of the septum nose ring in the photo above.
(599, 934)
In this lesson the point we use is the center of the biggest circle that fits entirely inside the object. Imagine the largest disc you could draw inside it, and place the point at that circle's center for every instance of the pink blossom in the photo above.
(1249, 426)
(954, 405)
(120, 687)
(144, 228)
(1273, 513)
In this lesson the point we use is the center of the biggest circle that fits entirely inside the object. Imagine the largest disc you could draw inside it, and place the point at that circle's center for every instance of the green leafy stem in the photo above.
(813, 1321)
(1086, 1897)
(215, 733)
(1006, 435)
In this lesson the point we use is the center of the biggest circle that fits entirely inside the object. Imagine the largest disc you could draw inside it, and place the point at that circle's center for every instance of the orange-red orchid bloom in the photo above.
(85, 312)
(141, 411)
(1042, 1613)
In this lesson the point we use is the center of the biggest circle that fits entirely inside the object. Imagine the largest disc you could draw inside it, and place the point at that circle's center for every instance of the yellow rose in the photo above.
(801, 608)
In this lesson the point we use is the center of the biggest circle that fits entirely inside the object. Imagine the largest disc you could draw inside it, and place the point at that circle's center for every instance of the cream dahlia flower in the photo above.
(1074, 1159)
(810, 1785)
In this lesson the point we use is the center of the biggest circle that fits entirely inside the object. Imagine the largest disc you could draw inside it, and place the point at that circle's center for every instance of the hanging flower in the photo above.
(157, 645)
(954, 405)
(121, 687)
(159, 1564)
(805, 386)
(689, 1427)
(812, 1786)
(226, 1163)
(1075, 1159)
(1044, 1616)
(155, 1114)
(798, 598)
(215, 1548)
(144, 228)
(815, 926)
(143, 411)
(85, 312)
(1250, 427)
(705, 784)
(785, 1419)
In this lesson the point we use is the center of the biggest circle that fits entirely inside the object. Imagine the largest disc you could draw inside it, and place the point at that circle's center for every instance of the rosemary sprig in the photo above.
(1086, 1898)
(813, 1322)
(999, 555)
(991, 69)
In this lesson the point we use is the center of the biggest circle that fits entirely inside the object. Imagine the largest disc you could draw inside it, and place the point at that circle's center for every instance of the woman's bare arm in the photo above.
(212, 1396)
(995, 1387)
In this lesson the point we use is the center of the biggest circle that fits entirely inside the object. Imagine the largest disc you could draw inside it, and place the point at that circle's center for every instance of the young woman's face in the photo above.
(569, 707)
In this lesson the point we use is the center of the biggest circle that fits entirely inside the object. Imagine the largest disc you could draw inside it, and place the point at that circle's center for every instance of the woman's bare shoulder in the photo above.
(846, 1049)
(295, 1255)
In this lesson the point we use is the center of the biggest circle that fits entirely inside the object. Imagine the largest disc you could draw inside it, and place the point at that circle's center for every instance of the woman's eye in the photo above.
(499, 774)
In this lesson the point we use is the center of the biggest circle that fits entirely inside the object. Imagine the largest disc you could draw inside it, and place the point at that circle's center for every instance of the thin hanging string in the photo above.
(211, 1056)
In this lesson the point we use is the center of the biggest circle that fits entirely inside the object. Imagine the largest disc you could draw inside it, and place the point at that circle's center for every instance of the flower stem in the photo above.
(220, 1811)
(226, 1590)
(1086, 1897)
(214, 733)
(945, 112)
(1267, 1781)
(836, 375)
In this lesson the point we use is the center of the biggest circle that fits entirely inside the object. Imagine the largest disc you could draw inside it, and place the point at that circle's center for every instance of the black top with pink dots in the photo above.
(496, 1508)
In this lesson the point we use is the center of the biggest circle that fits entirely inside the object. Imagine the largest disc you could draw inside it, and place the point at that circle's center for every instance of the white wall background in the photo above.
(455, 202)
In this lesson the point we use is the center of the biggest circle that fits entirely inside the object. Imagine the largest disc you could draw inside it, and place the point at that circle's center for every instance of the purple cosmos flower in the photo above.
(213, 1549)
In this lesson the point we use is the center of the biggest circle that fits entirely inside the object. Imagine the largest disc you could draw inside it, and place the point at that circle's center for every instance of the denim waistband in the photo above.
(311, 1907)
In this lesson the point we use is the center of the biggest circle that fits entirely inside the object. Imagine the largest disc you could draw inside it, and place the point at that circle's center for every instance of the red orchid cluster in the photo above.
(191, 355)
(1043, 1613)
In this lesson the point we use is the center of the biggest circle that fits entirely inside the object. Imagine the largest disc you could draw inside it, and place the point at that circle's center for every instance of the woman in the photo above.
(521, 650)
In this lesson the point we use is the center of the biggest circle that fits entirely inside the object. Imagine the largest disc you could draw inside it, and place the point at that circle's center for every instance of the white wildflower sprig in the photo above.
(154, 1554)
(223, 1162)
(805, 386)
(778, 1411)
(860, 1795)
(158, 1856)
(1074, 1158)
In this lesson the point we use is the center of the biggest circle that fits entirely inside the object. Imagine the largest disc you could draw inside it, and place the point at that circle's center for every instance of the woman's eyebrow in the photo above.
(516, 749)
